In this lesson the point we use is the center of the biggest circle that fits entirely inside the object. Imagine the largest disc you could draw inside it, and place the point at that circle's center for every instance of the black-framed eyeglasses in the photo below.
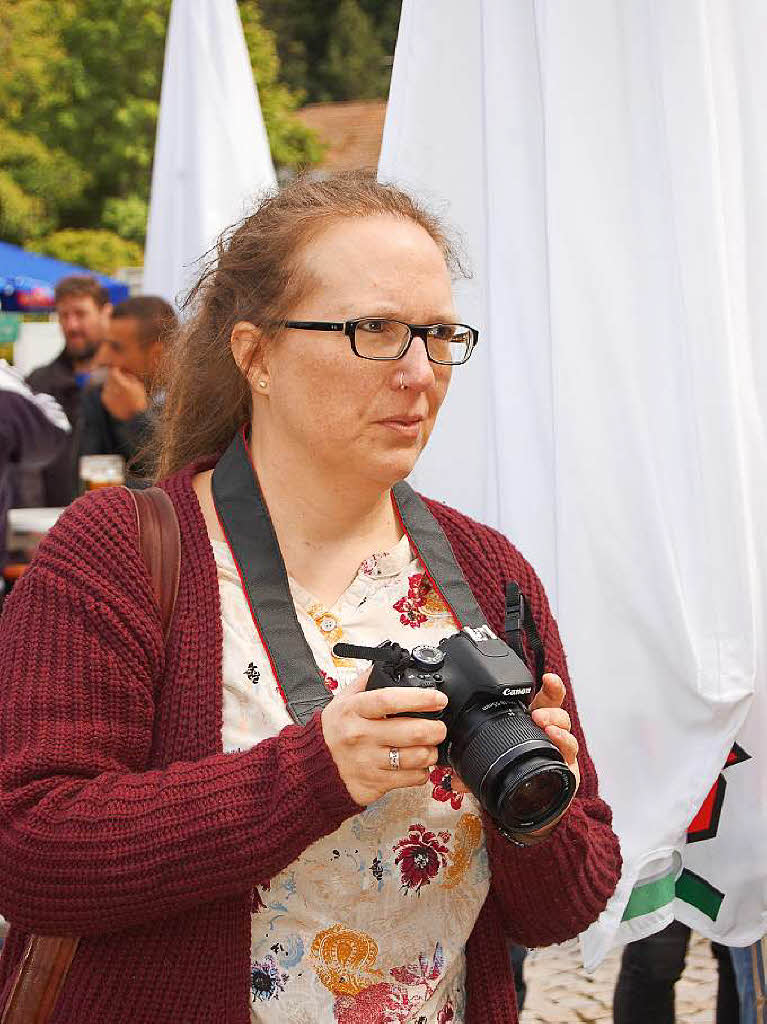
(382, 339)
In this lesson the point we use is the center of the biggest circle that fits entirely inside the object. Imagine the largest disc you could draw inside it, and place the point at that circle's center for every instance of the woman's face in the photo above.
(350, 414)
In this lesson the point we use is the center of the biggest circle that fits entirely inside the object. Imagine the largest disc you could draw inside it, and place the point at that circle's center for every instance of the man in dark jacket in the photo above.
(117, 414)
(33, 430)
(83, 309)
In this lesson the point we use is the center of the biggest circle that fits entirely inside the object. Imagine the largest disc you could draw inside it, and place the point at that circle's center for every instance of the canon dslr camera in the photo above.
(507, 762)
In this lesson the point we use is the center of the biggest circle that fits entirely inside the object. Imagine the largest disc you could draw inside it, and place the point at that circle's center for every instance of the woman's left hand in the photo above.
(548, 714)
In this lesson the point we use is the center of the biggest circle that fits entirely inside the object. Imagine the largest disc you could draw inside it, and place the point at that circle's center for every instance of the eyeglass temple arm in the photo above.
(315, 325)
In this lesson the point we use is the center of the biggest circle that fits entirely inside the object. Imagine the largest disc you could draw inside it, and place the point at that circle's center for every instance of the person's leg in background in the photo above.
(727, 1004)
(518, 954)
(748, 964)
(759, 969)
(649, 970)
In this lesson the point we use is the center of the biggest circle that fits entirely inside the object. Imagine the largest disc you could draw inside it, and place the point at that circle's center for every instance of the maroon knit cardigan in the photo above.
(122, 821)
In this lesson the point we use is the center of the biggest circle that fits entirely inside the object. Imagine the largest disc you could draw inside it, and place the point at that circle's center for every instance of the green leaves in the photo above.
(37, 181)
(333, 49)
(98, 250)
(355, 64)
(21, 214)
(79, 94)
(126, 217)
(80, 89)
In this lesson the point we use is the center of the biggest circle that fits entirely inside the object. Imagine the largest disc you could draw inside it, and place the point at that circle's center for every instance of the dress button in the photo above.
(328, 624)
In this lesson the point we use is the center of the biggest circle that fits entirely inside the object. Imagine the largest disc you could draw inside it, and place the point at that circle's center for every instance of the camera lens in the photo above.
(533, 794)
(512, 766)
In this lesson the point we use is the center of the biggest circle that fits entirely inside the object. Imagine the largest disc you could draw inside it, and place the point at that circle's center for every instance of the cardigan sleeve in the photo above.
(553, 891)
(90, 840)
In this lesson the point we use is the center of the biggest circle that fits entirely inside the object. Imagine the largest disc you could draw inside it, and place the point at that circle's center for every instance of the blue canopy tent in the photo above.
(27, 280)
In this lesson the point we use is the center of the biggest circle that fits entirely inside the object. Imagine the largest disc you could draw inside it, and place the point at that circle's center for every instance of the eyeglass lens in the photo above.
(386, 339)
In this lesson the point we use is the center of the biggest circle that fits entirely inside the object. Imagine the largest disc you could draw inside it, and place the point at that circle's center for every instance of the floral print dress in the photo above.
(369, 924)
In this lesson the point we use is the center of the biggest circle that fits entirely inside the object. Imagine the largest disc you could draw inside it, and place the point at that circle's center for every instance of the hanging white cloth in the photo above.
(607, 167)
(212, 154)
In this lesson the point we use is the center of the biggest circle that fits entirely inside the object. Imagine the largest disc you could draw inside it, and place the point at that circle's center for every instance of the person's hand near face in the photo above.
(129, 363)
(123, 395)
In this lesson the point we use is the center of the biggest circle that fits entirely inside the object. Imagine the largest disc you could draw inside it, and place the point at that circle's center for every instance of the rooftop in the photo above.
(351, 131)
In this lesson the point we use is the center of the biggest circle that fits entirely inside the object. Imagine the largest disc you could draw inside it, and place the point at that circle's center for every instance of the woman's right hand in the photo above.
(360, 736)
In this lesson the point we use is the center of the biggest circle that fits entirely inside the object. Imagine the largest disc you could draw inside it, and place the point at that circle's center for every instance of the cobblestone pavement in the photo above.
(560, 992)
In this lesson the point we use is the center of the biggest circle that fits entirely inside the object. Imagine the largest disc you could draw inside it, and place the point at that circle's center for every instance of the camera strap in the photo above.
(250, 534)
(519, 618)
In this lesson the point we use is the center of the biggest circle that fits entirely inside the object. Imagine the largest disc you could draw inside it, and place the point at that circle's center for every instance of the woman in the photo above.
(217, 860)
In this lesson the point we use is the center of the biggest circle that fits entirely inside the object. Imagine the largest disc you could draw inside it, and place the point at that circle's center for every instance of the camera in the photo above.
(509, 764)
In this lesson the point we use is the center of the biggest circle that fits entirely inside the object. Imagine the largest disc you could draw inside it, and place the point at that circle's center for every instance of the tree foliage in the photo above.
(355, 65)
(333, 49)
(292, 145)
(39, 181)
(20, 213)
(102, 251)
(30, 54)
(126, 217)
(79, 94)
(34, 177)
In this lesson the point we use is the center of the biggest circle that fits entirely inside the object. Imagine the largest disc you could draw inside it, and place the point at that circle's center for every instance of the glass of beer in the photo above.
(101, 471)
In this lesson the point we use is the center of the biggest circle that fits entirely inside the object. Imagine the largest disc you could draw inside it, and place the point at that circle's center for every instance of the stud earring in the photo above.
(262, 383)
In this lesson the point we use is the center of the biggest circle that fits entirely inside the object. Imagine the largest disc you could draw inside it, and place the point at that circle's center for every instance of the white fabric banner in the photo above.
(212, 154)
(607, 167)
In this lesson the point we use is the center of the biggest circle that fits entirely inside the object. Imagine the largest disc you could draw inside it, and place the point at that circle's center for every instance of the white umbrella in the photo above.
(212, 153)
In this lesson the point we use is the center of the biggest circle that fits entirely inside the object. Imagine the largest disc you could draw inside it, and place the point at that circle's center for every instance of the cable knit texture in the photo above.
(122, 821)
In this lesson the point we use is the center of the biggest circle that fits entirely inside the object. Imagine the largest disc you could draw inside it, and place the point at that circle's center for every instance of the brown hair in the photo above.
(81, 285)
(256, 277)
(155, 318)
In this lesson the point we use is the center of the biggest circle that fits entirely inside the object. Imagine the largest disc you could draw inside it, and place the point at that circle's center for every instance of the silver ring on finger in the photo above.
(394, 758)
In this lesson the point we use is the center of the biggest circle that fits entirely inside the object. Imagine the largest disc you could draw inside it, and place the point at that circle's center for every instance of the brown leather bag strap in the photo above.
(46, 959)
(160, 545)
(43, 968)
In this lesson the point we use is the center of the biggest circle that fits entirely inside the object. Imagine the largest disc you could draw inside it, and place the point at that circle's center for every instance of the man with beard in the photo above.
(83, 310)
